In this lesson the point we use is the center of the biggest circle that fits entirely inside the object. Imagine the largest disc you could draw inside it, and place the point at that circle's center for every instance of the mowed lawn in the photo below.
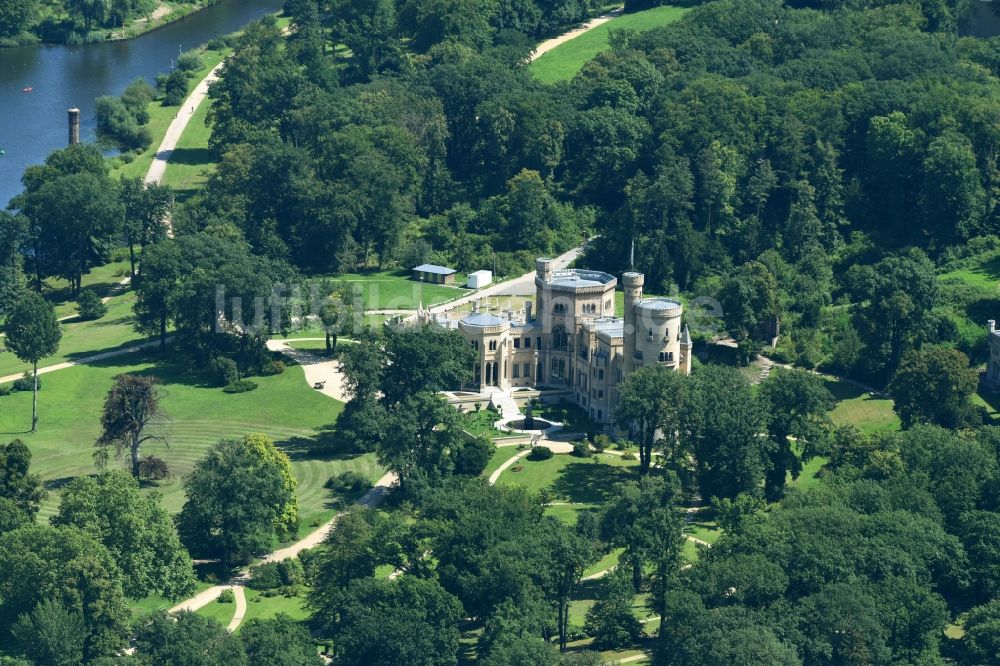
(395, 290)
(572, 479)
(283, 407)
(85, 338)
(857, 407)
(104, 280)
(192, 162)
(563, 62)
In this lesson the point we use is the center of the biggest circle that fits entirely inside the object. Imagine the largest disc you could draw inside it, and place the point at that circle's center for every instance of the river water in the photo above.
(34, 124)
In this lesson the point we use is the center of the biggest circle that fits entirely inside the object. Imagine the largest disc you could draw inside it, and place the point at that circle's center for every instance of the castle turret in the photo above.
(687, 348)
(632, 284)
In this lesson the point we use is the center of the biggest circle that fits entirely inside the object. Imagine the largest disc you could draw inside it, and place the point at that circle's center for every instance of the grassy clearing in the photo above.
(221, 613)
(160, 118)
(102, 279)
(607, 562)
(481, 423)
(990, 402)
(85, 338)
(707, 531)
(572, 479)
(809, 476)
(564, 61)
(569, 512)
(984, 273)
(192, 162)
(861, 409)
(155, 602)
(501, 456)
(260, 607)
(283, 407)
(394, 290)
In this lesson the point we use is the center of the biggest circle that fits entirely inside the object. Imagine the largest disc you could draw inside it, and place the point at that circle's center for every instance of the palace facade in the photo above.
(573, 340)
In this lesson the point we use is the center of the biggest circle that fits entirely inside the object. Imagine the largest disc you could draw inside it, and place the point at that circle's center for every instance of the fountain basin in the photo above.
(519, 425)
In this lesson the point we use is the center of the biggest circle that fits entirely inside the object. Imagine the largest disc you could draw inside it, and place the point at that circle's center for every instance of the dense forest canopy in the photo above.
(821, 164)
(749, 138)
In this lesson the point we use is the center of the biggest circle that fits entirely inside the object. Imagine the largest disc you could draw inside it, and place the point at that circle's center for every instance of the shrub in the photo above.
(600, 443)
(227, 596)
(25, 383)
(153, 468)
(240, 386)
(136, 99)
(540, 453)
(224, 370)
(581, 449)
(272, 368)
(473, 457)
(628, 455)
(291, 572)
(175, 88)
(4, 390)
(115, 121)
(216, 44)
(189, 61)
(266, 576)
(89, 305)
(347, 482)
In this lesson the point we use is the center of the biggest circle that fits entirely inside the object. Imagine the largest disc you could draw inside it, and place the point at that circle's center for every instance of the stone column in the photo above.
(74, 125)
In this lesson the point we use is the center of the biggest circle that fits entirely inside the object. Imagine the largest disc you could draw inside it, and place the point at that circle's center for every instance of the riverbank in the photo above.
(161, 116)
(57, 27)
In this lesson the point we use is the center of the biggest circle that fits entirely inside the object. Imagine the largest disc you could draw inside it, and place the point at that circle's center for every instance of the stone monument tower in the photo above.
(74, 126)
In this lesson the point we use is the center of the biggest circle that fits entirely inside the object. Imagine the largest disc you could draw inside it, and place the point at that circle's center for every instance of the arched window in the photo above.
(560, 339)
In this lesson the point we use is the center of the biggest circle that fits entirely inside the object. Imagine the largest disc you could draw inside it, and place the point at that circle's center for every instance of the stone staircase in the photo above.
(505, 404)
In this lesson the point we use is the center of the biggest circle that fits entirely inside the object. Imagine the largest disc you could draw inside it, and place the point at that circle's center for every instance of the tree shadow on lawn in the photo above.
(843, 390)
(589, 482)
(53, 485)
(118, 321)
(323, 446)
(59, 295)
(192, 156)
(167, 367)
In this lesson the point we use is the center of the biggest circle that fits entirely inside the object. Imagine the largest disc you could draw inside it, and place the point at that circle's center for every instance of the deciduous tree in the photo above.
(236, 496)
(32, 334)
(935, 385)
(138, 533)
(132, 404)
(40, 562)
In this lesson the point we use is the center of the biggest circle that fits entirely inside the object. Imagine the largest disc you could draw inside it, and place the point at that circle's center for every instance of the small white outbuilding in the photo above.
(479, 279)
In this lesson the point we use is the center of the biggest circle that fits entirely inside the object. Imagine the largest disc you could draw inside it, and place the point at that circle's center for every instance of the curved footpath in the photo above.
(550, 44)
(315, 368)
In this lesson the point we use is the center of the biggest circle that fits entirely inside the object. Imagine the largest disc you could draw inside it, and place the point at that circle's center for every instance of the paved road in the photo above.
(524, 284)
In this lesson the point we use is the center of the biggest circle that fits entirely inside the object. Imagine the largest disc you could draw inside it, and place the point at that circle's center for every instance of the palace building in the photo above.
(573, 340)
